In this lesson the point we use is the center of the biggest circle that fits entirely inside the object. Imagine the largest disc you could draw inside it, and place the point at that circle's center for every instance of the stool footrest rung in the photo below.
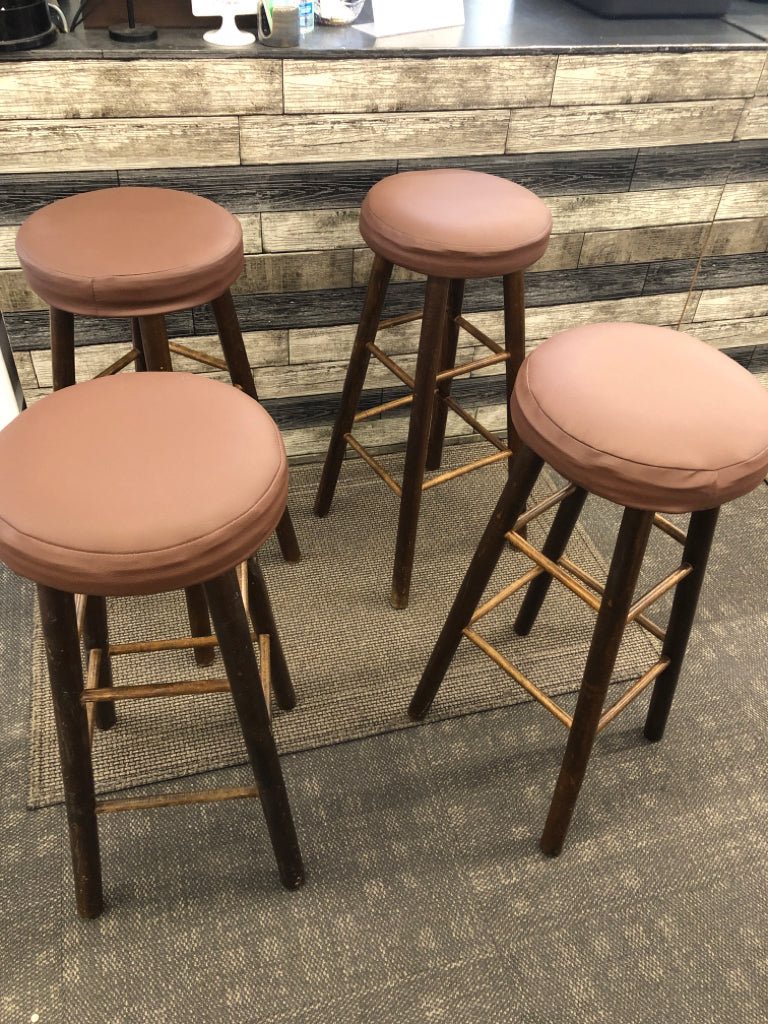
(376, 466)
(198, 357)
(479, 335)
(634, 691)
(119, 364)
(180, 688)
(470, 467)
(669, 528)
(201, 796)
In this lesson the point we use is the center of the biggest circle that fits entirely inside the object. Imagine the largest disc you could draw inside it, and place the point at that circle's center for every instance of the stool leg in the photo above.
(447, 362)
(701, 531)
(59, 622)
(353, 384)
(263, 621)
(241, 374)
(609, 629)
(514, 343)
(430, 343)
(136, 340)
(96, 634)
(557, 540)
(511, 503)
(62, 348)
(157, 357)
(232, 630)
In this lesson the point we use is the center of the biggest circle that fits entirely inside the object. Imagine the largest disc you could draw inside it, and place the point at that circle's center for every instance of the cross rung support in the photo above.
(507, 592)
(396, 403)
(451, 474)
(634, 691)
(642, 620)
(198, 357)
(478, 335)
(670, 529)
(391, 365)
(395, 321)
(478, 427)
(182, 688)
(375, 466)
(202, 796)
(553, 569)
(658, 591)
(543, 506)
(119, 364)
(518, 676)
(477, 364)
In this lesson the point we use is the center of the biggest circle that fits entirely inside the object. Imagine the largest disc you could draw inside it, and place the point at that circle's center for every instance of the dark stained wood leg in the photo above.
(559, 534)
(447, 362)
(432, 330)
(241, 374)
(353, 384)
(609, 630)
(514, 342)
(59, 622)
(701, 531)
(511, 503)
(62, 348)
(240, 660)
(140, 363)
(96, 635)
(157, 357)
(263, 621)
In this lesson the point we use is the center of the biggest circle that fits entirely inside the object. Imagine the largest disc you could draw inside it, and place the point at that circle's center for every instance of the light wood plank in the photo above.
(15, 294)
(762, 85)
(641, 245)
(329, 137)
(295, 272)
(439, 83)
(140, 88)
(754, 122)
(31, 146)
(744, 199)
(362, 269)
(733, 303)
(8, 257)
(310, 229)
(655, 77)
(608, 211)
(251, 225)
(560, 129)
(734, 333)
(731, 237)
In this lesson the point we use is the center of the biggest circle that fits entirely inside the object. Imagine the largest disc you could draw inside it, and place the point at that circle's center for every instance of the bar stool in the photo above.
(450, 225)
(156, 524)
(654, 421)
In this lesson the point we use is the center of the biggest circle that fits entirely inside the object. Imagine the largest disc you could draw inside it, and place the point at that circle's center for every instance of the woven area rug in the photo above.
(355, 661)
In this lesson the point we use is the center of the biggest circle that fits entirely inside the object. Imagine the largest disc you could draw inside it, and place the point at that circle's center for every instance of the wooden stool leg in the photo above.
(232, 630)
(263, 621)
(447, 362)
(514, 342)
(96, 635)
(701, 531)
(353, 383)
(59, 622)
(427, 362)
(609, 630)
(136, 341)
(241, 374)
(157, 356)
(62, 348)
(510, 505)
(557, 539)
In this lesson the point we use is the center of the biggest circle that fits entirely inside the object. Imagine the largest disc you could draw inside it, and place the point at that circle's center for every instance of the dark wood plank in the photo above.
(684, 166)
(738, 271)
(22, 194)
(29, 330)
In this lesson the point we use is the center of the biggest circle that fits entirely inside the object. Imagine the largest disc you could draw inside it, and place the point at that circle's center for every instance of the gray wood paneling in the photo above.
(654, 77)
(737, 236)
(142, 88)
(398, 84)
(754, 121)
(744, 200)
(295, 272)
(642, 245)
(613, 211)
(617, 127)
(311, 229)
(733, 303)
(22, 194)
(327, 137)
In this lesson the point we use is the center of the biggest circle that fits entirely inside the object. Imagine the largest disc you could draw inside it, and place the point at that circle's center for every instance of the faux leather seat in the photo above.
(452, 225)
(644, 416)
(455, 223)
(154, 523)
(655, 421)
(106, 253)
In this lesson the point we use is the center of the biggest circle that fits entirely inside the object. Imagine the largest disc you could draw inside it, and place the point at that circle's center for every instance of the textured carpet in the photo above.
(355, 661)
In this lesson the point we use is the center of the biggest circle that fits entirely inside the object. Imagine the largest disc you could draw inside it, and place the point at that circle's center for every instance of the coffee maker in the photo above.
(25, 25)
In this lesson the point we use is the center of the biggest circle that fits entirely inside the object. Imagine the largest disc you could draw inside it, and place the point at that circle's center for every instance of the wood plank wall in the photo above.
(654, 164)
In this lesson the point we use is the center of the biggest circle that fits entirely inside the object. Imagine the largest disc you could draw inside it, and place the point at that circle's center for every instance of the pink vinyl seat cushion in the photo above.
(138, 483)
(454, 223)
(647, 417)
(130, 251)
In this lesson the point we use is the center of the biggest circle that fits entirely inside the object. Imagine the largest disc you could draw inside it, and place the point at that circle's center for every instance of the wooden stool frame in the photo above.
(79, 704)
(614, 606)
(430, 398)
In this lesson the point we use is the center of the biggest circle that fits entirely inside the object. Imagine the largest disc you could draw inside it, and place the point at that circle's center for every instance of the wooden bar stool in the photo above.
(156, 524)
(654, 421)
(450, 225)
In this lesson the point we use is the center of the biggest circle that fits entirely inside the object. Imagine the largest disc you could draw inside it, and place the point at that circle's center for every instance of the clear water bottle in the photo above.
(306, 16)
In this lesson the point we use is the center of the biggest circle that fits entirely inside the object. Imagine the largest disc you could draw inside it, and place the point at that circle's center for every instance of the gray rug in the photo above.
(354, 660)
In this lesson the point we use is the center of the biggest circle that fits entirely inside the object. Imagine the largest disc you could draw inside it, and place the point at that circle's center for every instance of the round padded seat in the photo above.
(200, 480)
(647, 417)
(130, 251)
(454, 223)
